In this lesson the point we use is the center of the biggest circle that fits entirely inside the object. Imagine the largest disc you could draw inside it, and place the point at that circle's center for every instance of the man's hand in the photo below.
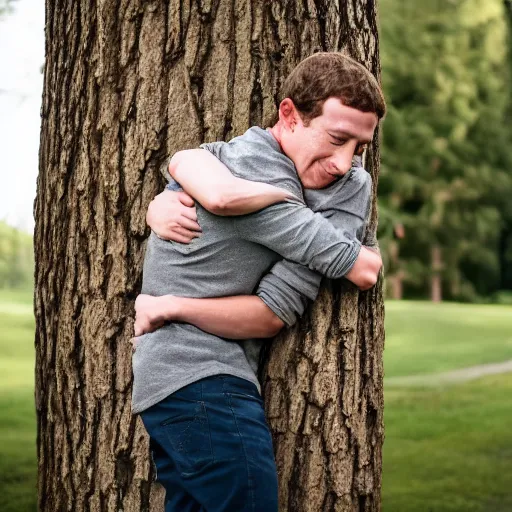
(151, 313)
(172, 216)
(365, 272)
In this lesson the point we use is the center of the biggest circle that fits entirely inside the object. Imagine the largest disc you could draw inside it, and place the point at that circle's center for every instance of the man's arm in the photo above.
(287, 287)
(237, 317)
(282, 294)
(300, 235)
(208, 180)
(289, 229)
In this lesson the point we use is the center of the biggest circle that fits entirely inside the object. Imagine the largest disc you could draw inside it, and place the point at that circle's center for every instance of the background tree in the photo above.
(505, 248)
(446, 171)
(5, 6)
(126, 84)
(16, 258)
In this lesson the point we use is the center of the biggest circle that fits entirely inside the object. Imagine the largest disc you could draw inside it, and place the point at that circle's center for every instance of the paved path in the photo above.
(462, 375)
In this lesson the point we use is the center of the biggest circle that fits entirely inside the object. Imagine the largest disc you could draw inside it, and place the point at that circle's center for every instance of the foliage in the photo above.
(5, 6)
(502, 297)
(16, 258)
(447, 153)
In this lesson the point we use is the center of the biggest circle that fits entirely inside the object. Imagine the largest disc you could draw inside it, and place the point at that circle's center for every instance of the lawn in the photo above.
(424, 338)
(17, 414)
(447, 449)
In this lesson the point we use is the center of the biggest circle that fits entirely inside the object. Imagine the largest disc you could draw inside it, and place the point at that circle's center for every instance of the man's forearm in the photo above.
(238, 317)
(209, 181)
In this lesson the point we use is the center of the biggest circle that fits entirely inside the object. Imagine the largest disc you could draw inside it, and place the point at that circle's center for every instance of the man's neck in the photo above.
(276, 132)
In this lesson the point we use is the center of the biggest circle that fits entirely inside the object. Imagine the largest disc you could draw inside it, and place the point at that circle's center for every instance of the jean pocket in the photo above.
(241, 387)
(189, 436)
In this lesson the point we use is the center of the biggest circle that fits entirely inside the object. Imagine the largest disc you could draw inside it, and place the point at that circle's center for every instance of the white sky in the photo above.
(21, 82)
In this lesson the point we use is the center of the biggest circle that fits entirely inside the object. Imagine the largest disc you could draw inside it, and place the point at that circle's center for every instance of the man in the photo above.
(197, 392)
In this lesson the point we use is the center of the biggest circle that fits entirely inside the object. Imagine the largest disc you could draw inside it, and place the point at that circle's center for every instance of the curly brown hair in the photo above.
(331, 74)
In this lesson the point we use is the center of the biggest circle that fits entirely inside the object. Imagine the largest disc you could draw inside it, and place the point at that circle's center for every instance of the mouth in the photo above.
(330, 174)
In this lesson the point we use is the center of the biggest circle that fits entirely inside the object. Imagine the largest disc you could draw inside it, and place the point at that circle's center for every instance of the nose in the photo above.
(342, 160)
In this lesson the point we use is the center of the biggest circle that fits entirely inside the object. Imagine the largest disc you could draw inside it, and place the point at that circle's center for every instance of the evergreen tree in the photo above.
(446, 151)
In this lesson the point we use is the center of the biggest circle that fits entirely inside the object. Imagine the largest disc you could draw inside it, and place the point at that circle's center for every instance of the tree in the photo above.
(446, 151)
(5, 7)
(16, 258)
(127, 84)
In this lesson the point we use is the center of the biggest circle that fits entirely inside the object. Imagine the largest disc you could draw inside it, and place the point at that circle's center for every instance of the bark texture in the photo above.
(128, 82)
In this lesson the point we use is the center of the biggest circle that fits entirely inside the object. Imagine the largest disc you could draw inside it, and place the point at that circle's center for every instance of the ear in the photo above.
(288, 115)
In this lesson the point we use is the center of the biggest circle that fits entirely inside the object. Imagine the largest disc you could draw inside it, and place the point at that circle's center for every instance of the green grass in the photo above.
(17, 413)
(422, 337)
(447, 449)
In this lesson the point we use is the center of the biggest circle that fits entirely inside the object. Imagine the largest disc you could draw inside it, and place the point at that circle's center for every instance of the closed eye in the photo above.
(338, 141)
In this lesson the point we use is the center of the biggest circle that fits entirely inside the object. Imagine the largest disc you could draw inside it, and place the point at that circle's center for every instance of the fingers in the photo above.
(180, 238)
(185, 199)
(141, 327)
(138, 301)
(138, 329)
(187, 233)
(189, 213)
(189, 224)
(178, 234)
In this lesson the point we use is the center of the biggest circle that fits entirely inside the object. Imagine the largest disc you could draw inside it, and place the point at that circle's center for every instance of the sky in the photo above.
(21, 82)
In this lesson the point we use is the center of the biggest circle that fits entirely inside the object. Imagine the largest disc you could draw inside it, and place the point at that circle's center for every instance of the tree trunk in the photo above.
(396, 283)
(436, 262)
(396, 276)
(126, 84)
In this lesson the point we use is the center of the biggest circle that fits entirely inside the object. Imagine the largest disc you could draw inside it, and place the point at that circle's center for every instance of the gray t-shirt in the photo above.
(231, 257)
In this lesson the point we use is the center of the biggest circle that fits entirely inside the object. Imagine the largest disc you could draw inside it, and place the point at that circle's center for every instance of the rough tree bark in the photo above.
(127, 83)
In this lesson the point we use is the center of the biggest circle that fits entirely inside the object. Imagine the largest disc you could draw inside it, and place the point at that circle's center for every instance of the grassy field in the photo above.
(423, 338)
(17, 415)
(447, 449)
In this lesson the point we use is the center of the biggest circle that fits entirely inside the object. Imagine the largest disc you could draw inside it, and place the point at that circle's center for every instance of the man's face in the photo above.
(323, 150)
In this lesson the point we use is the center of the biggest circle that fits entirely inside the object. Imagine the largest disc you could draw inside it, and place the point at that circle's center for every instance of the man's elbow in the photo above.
(174, 163)
(219, 203)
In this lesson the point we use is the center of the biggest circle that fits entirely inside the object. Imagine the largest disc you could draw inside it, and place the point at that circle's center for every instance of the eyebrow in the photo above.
(347, 135)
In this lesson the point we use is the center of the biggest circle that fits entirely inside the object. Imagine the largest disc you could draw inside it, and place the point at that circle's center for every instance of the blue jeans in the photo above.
(212, 448)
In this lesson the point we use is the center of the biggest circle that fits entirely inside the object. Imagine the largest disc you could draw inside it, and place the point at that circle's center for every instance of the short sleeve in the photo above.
(215, 148)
